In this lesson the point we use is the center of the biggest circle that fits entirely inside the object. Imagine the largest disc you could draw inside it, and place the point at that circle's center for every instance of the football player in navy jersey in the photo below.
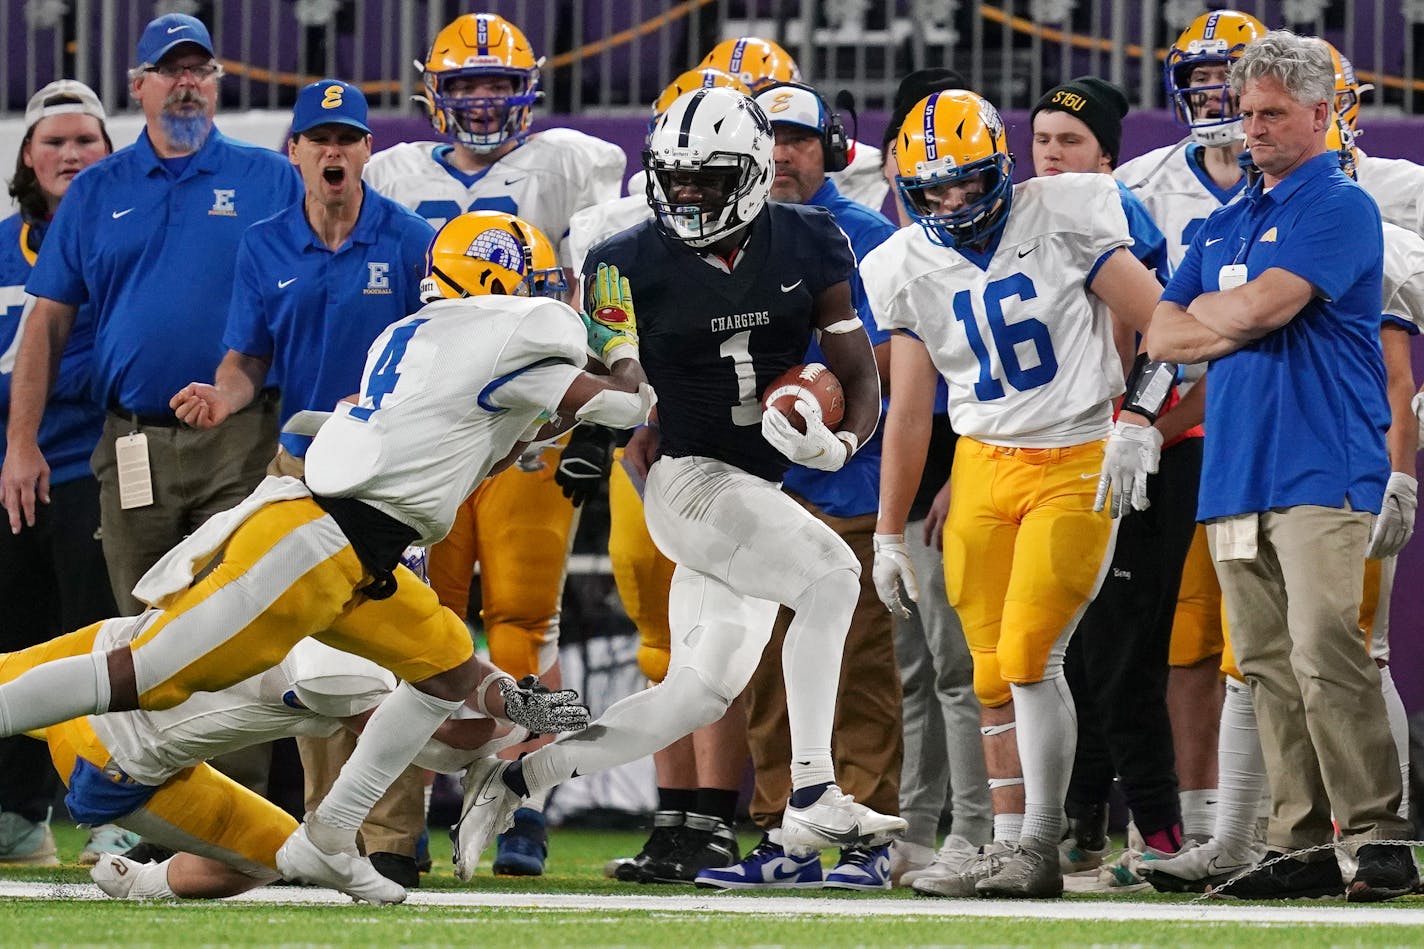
(731, 289)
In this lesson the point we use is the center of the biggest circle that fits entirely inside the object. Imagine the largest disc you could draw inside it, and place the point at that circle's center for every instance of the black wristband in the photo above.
(1148, 387)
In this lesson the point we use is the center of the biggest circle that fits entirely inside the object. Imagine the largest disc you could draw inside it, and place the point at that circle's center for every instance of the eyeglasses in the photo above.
(200, 73)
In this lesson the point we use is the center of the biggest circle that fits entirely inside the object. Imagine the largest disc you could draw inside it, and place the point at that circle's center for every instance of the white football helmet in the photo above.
(719, 141)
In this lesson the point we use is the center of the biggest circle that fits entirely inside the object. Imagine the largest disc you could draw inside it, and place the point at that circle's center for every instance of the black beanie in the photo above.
(1098, 103)
(912, 89)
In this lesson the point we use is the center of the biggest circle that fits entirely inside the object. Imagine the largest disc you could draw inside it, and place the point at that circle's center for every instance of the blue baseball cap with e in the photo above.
(171, 30)
(329, 102)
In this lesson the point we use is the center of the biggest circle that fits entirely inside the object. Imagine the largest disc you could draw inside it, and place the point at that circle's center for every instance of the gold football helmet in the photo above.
(1213, 38)
(753, 60)
(953, 138)
(474, 46)
(491, 252)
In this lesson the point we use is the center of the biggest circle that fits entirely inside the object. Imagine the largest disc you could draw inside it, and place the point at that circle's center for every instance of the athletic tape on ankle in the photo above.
(480, 701)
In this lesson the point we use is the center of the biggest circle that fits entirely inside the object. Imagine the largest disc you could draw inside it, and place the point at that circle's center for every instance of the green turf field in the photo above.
(575, 906)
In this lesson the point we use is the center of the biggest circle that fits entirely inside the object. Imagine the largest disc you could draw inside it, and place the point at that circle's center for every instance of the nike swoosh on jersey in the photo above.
(1029, 250)
(1095, 474)
(786, 289)
(284, 284)
(1214, 240)
(510, 181)
(118, 214)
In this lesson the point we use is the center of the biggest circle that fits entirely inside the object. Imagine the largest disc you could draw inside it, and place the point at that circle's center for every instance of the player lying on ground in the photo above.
(145, 770)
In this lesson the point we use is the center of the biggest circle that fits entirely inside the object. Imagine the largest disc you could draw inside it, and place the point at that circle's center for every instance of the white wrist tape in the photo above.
(840, 327)
(481, 702)
(618, 409)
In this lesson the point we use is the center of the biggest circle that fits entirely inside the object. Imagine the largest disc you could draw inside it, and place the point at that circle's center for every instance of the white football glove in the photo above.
(893, 570)
(1417, 404)
(1395, 523)
(1131, 455)
(818, 448)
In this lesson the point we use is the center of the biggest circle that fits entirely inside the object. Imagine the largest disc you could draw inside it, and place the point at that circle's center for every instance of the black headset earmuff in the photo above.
(835, 144)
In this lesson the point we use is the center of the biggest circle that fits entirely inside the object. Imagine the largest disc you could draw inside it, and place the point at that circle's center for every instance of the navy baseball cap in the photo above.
(329, 102)
(171, 30)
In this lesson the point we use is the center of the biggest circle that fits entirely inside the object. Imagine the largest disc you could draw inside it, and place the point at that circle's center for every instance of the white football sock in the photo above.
(811, 666)
(1047, 740)
(1199, 810)
(1241, 771)
(399, 729)
(1399, 731)
(1008, 828)
(150, 882)
(55, 691)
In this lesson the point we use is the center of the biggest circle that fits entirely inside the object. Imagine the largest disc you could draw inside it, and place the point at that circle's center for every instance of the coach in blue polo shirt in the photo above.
(148, 238)
(1295, 468)
(316, 284)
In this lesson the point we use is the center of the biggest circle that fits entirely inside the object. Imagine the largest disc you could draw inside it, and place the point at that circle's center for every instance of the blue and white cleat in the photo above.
(861, 868)
(766, 867)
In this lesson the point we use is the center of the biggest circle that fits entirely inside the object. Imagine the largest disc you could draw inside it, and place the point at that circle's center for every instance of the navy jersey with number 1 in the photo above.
(711, 341)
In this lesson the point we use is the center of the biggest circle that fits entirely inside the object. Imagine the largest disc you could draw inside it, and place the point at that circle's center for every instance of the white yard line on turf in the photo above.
(1312, 913)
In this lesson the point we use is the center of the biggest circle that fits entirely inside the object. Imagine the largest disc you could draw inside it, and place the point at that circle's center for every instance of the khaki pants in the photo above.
(1293, 616)
(196, 474)
(868, 740)
(398, 819)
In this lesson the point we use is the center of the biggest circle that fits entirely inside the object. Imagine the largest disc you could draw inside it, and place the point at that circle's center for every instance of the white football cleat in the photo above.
(488, 810)
(302, 861)
(1206, 865)
(836, 820)
(115, 875)
(952, 859)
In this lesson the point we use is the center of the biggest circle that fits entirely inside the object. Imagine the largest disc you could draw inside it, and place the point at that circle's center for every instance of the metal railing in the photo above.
(616, 55)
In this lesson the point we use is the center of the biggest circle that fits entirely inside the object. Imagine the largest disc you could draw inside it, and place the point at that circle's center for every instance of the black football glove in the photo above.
(585, 463)
(530, 705)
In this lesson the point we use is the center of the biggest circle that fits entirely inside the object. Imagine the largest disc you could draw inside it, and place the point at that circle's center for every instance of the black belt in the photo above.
(140, 420)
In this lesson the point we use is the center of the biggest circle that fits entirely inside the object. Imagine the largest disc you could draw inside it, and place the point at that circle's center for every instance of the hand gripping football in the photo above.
(812, 383)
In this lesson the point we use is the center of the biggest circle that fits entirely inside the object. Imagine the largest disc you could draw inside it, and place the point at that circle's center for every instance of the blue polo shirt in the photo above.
(855, 489)
(72, 421)
(1298, 416)
(1148, 243)
(153, 253)
(314, 312)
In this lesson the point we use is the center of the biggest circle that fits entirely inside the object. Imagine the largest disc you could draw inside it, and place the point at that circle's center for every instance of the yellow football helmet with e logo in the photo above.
(474, 46)
(491, 252)
(1209, 109)
(955, 139)
(754, 61)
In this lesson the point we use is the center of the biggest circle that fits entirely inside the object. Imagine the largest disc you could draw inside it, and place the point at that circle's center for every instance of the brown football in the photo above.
(812, 382)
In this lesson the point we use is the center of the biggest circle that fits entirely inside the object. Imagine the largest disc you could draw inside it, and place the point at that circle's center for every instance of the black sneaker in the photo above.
(1285, 879)
(667, 832)
(705, 843)
(398, 868)
(1385, 871)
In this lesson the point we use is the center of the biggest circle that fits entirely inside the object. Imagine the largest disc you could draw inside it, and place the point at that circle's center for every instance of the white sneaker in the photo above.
(1192, 871)
(950, 860)
(301, 861)
(907, 857)
(488, 810)
(836, 820)
(115, 875)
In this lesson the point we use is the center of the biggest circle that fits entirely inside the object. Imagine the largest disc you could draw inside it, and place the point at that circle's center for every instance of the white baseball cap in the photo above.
(793, 105)
(63, 97)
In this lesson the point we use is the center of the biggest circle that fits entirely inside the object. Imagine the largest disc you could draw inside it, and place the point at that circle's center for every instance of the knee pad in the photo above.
(989, 684)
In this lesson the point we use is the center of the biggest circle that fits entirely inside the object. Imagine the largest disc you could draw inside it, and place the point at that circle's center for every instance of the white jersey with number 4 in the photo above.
(446, 393)
(544, 181)
(1027, 361)
(1176, 191)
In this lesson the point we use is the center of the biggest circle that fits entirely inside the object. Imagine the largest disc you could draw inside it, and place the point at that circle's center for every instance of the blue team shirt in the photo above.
(153, 253)
(854, 489)
(72, 421)
(1149, 245)
(314, 312)
(1298, 416)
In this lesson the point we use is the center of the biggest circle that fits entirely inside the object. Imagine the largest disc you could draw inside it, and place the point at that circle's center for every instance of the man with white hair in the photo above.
(1264, 293)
